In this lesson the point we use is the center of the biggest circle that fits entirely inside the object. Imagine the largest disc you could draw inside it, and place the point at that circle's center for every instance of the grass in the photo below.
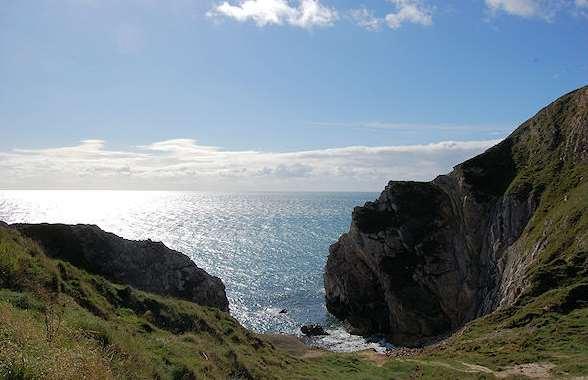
(135, 334)
(536, 332)
(107, 331)
(103, 330)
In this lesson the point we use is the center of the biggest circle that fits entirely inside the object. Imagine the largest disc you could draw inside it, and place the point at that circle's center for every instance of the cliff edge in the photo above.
(502, 227)
(146, 265)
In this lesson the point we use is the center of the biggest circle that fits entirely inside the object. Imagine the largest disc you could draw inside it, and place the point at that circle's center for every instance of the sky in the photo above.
(276, 95)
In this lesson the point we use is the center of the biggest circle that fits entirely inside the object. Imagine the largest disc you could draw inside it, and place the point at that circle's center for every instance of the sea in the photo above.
(269, 249)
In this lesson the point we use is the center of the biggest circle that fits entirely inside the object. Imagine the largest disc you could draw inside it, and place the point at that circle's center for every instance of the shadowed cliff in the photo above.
(501, 228)
(145, 265)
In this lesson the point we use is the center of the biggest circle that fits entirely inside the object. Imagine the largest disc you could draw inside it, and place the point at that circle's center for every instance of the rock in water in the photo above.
(425, 258)
(145, 265)
(313, 330)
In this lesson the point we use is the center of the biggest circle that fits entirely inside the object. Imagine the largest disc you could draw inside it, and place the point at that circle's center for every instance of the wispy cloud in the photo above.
(312, 13)
(404, 12)
(366, 19)
(185, 164)
(308, 14)
(409, 11)
(581, 8)
(524, 8)
(305, 14)
(538, 9)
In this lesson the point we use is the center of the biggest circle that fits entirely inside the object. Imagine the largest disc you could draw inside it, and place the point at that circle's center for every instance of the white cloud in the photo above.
(181, 148)
(366, 19)
(305, 14)
(409, 11)
(310, 13)
(185, 164)
(539, 9)
(406, 11)
(524, 8)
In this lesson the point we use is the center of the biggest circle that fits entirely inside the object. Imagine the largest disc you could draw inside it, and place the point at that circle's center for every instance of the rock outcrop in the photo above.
(425, 258)
(145, 265)
(313, 330)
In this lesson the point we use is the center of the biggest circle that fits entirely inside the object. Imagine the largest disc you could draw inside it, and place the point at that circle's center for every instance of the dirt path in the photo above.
(295, 347)
(530, 370)
(538, 371)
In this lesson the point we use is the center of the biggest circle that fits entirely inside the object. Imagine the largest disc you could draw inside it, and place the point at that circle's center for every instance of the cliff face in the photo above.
(145, 265)
(425, 258)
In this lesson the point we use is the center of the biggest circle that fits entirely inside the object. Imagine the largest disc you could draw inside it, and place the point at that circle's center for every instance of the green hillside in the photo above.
(57, 321)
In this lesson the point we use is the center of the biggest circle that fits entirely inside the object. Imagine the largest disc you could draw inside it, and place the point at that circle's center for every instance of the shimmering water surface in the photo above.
(268, 248)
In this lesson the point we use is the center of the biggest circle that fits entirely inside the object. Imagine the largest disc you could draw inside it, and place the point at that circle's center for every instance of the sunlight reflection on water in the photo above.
(268, 248)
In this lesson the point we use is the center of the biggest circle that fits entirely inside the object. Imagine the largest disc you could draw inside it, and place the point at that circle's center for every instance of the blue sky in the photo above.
(215, 95)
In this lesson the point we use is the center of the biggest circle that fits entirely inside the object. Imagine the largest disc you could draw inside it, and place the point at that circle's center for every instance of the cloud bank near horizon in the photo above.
(184, 164)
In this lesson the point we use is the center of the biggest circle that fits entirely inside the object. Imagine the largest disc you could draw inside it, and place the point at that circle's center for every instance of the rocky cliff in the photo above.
(425, 258)
(145, 265)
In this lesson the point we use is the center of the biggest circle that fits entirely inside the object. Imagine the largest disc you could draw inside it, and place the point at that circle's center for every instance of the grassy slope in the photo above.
(549, 323)
(113, 331)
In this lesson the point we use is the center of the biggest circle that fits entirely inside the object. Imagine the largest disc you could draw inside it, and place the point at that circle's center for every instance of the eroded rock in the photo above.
(313, 330)
(425, 258)
(145, 265)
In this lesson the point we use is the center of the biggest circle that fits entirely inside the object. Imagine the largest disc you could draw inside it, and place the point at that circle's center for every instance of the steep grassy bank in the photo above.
(58, 321)
(54, 313)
